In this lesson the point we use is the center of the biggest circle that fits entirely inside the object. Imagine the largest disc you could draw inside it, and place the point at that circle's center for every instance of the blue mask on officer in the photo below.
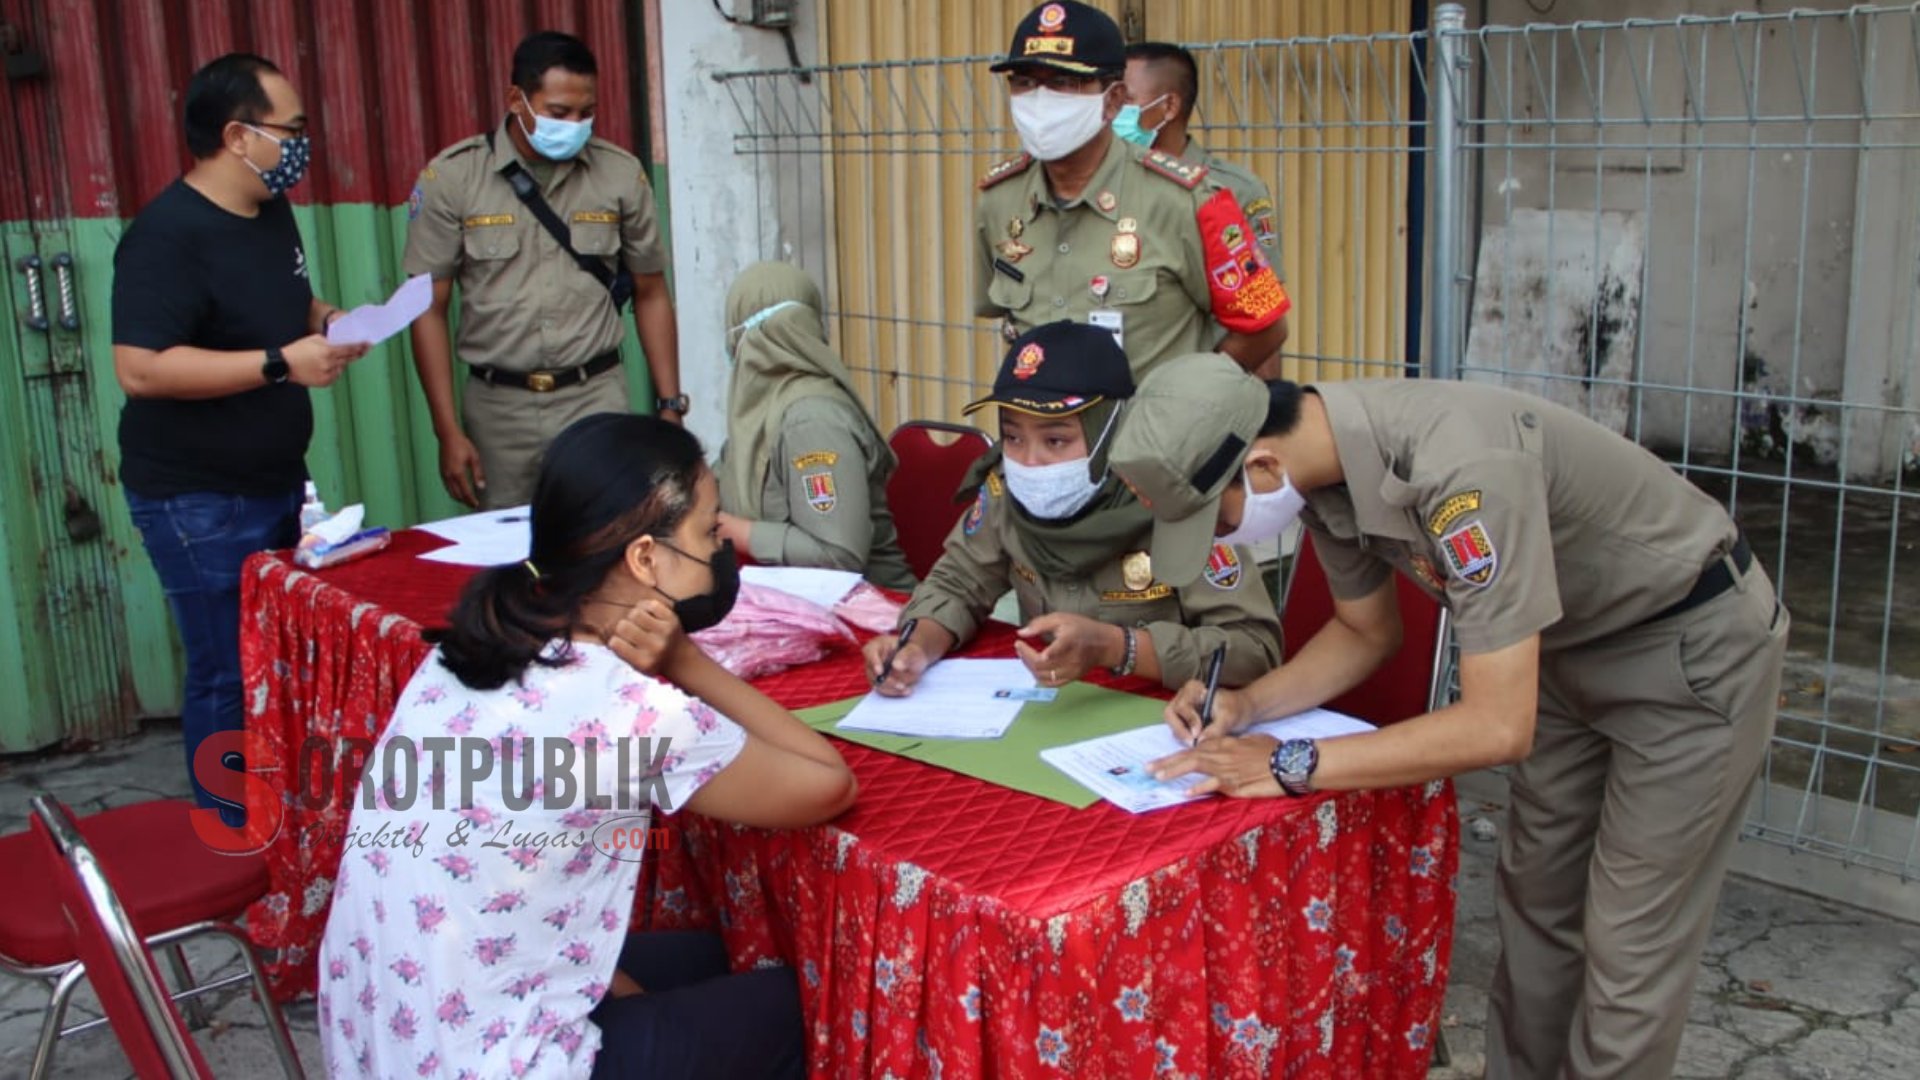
(1127, 123)
(555, 140)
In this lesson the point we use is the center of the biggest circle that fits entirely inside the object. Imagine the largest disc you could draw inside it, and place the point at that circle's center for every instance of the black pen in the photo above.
(906, 635)
(1213, 687)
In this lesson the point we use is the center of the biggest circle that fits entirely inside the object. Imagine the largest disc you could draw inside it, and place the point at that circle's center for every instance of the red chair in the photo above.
(170, 888)
(934, 458)
(1409, 683)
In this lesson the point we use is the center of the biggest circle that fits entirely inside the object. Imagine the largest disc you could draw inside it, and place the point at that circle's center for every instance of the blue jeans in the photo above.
(197, 542)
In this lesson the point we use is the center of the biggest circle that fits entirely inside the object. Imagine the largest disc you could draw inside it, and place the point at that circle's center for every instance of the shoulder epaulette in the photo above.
(1179, 170)
(1013, 166)
(466, 145)
(615, 149)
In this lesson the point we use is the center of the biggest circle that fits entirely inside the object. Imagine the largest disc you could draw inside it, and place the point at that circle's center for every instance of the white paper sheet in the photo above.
(823, 587)
(1114, 767)
(375, 323)
(490, 538)
(953, 700)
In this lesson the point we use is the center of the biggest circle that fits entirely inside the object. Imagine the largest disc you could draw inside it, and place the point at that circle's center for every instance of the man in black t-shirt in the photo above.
(216, 338)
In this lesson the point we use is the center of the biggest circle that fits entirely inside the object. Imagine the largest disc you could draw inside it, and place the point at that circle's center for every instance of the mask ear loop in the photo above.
(1099, 447)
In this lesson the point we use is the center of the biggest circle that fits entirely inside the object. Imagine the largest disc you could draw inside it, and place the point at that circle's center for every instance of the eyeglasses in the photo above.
(1058, 82)
(290, 129)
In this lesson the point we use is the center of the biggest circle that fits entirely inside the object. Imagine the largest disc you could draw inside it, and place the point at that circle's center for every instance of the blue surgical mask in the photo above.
(1127, 123)
(295, 153)
(556, 140)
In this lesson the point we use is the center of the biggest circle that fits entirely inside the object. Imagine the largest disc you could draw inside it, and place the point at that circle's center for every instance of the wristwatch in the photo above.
(1293, 763)
(677, 403)
(275, 370)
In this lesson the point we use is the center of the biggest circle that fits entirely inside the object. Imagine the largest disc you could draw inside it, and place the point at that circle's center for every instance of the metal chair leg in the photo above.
(50, 1024)
(193, 1010)
(269, 1008)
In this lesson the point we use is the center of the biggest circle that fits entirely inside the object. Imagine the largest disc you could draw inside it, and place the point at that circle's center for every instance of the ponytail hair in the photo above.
(606, 481)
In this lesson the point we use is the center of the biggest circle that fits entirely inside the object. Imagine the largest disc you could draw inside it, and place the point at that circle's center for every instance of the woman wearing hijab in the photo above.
(1051, 522)
(803, 477)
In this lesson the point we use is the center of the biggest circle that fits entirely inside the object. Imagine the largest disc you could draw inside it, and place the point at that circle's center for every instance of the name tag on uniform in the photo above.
(480, 220)
(597, 217)
(1110, 320)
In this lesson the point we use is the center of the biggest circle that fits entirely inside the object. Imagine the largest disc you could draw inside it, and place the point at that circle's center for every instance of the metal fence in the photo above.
(1704, 232)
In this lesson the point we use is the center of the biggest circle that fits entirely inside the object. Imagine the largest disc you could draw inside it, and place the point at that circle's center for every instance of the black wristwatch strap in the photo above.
(275, 370)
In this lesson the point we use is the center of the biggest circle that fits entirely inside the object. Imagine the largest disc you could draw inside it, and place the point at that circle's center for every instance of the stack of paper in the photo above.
(955, 699)
(492, 538)
(1115, 766)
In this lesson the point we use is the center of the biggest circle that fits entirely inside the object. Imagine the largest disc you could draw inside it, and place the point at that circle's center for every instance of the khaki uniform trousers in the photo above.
(511, 427)
(1623, 818)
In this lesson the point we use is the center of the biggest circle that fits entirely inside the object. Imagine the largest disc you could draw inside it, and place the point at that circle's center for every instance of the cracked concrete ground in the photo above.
(1791, 988)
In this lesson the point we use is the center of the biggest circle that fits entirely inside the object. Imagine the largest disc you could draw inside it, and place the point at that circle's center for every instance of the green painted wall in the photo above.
(87, 644)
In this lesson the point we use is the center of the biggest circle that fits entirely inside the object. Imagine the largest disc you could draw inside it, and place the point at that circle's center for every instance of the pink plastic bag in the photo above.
(867, 608)
(768, 631)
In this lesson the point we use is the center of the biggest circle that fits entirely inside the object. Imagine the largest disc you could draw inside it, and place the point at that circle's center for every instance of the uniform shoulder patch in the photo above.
(976, 514)
(1452, 509)
(820, 493)
(1223, 567)
(995, 485)
(1006, 170)
(1179, 170)
(1470, 554)
(817, 459)
(1246, 295)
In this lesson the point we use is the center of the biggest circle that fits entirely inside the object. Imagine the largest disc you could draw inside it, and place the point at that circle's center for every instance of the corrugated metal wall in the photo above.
(1327, 128)
(387, 83)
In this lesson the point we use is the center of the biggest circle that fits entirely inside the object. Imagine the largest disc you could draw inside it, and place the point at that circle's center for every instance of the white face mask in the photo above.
(1052, 124)
(1265, 515)
(1050, 492)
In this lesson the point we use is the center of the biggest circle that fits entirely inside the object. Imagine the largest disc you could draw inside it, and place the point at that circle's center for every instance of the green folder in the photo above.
(1082, 711)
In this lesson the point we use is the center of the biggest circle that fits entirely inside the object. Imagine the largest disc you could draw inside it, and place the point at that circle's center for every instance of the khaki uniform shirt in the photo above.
(1256, 202)
(525, 305)
(1227, 605)
(1147, 241)
(825, 499)
(1521, 516)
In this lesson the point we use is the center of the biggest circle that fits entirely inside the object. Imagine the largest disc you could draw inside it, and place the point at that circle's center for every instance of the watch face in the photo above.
(1295, 756)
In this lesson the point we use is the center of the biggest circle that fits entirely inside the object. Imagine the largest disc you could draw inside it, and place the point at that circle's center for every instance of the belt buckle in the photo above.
(540, 382)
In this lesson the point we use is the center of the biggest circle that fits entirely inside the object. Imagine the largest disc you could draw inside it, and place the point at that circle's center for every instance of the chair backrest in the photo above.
(116, 960)
(1408, 683)
(934, 458)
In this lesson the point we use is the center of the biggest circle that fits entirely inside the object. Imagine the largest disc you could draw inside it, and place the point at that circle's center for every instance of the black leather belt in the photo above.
(545, 382)
(1714, 580)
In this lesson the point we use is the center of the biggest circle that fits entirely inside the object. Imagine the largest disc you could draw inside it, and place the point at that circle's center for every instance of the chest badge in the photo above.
(1013, 250)
(1136, 570)
(1106, 202)
(1126, 250)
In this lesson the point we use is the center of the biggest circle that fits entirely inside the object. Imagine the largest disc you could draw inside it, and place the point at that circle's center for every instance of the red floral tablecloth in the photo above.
(945, 927)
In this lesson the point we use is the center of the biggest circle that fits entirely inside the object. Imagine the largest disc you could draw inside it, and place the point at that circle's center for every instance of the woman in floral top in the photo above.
(479, 919)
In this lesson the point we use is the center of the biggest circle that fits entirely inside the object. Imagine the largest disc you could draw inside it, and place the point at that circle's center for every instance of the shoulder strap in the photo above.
(527, 190)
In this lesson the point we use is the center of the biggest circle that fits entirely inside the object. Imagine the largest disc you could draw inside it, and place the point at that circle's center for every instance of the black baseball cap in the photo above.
(1060, 369)
(1067, 36)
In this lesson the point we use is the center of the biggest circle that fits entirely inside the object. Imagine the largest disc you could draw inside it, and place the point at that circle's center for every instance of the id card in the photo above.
(1027, 693)
(1110, 320)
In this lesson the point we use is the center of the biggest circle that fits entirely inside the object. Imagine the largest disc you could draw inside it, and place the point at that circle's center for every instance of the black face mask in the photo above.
(697, 613)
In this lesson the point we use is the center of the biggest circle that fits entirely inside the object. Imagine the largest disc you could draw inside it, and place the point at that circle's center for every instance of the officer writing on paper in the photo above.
(1086, 226)
(1618, 646)
(1053, 523)
(550, 233)
(1163, 85)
